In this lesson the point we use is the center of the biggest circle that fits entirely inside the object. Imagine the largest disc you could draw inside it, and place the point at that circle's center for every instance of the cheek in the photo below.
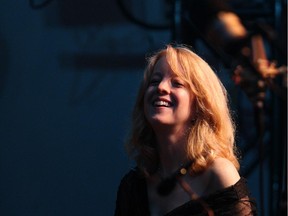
(188, 102)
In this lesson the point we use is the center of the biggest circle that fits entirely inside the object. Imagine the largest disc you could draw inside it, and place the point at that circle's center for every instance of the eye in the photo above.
(155, 80)
(178, 83)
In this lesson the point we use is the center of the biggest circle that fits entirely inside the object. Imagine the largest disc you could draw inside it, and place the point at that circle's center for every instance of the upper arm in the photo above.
(223, 174)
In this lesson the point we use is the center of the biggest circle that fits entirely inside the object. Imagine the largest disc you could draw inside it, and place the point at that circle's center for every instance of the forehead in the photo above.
(161, 63)
(166, 65)
(162, 67)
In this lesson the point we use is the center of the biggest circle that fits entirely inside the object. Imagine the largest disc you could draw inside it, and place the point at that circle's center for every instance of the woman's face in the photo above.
(167, 100)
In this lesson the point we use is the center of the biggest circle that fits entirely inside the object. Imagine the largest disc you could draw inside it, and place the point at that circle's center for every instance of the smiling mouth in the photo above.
(161, 103)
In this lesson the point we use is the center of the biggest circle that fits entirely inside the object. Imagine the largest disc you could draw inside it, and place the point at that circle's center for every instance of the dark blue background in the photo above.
(69, 74)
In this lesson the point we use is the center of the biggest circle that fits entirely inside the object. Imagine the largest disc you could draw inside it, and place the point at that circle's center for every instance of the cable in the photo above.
(33, 5)
(195, 197)
(137, 21)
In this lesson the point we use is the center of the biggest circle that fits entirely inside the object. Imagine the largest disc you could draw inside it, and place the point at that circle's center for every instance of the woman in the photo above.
(182, 132)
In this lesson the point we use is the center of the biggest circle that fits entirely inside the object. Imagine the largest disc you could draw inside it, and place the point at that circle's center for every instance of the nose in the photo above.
(164, 87)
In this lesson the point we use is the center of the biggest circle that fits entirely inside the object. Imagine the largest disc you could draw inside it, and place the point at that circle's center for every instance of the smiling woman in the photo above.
(167, 101)
(182, 131)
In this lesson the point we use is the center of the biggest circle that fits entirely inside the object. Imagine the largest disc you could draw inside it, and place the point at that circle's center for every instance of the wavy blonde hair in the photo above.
(212, 133)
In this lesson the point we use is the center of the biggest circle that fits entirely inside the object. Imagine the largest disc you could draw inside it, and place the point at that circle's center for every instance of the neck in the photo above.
(172, 151)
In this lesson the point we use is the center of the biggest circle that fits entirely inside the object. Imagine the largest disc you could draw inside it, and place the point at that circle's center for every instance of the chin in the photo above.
(159, 122)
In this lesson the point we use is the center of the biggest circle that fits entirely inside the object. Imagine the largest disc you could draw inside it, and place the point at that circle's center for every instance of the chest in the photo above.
(161, 205)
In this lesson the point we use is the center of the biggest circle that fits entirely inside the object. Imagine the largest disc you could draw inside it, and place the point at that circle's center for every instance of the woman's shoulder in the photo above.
(222, 174)
(132, 175)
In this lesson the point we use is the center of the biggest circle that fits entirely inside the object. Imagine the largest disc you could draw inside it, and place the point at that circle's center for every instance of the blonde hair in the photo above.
(212, 134)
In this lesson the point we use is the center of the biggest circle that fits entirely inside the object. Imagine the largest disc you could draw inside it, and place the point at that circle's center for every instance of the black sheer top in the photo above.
(132, 200)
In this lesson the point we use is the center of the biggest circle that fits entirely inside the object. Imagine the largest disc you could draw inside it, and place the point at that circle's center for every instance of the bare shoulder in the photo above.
(223, 174)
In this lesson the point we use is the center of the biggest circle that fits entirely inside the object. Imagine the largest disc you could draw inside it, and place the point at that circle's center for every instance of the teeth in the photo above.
(161, 103)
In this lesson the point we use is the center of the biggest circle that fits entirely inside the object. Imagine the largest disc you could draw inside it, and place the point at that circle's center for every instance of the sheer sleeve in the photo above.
(131, 196)
(235, 200)
(245, 206)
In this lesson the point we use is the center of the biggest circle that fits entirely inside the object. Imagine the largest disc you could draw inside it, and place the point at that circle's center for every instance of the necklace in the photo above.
(181, 171)
(168, 184)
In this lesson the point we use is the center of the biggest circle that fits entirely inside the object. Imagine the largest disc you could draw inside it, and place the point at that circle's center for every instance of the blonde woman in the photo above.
(182, 139)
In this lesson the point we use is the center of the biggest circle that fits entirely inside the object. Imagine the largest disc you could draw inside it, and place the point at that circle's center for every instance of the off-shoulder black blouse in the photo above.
(132, 200)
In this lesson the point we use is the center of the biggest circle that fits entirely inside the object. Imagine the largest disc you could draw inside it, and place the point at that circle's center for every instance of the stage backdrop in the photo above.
(69, 74)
